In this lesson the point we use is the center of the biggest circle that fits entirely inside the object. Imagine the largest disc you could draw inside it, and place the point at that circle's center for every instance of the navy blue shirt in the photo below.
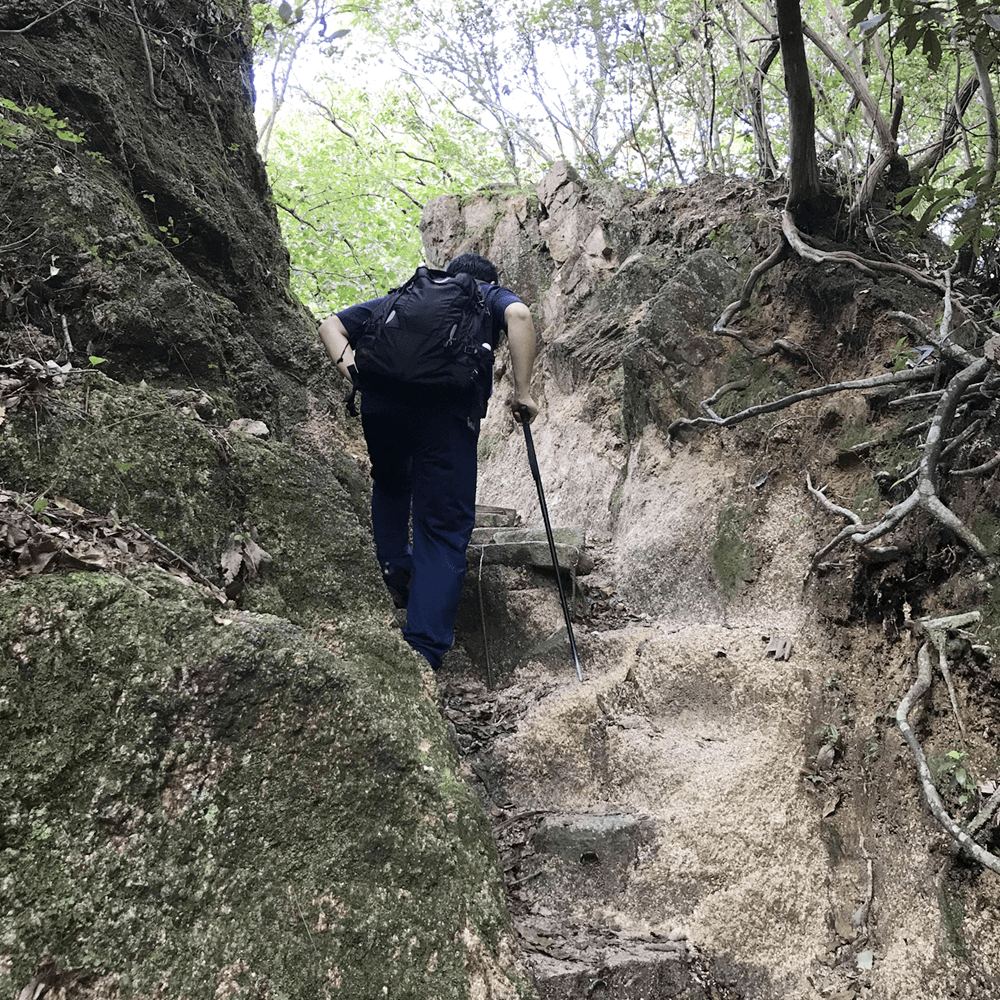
(355, 318)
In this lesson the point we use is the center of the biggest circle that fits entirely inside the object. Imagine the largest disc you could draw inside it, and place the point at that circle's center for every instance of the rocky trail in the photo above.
(724, 808)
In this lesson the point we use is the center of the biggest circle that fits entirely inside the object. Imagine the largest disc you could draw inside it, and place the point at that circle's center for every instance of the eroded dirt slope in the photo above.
(701, 817)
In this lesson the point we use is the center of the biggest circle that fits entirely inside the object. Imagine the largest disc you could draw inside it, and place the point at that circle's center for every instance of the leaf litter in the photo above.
(39, 535)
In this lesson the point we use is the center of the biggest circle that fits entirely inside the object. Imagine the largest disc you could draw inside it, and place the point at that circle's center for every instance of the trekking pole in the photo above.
(482, 618)
(533, 462)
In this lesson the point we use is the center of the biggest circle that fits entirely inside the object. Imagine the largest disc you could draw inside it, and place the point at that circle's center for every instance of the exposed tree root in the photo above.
(863, 264)
(924, 495)
(957, 398)
(961, 837)
(781, 252)
(893, 378)
(939, 442)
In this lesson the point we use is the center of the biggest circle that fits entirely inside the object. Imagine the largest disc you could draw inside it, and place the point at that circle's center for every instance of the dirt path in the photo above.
(696, 819)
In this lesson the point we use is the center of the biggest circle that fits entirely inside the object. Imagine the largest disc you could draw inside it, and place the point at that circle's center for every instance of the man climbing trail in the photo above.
(422, 357)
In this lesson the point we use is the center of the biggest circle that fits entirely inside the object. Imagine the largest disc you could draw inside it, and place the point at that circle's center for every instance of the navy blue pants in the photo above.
(423, 463)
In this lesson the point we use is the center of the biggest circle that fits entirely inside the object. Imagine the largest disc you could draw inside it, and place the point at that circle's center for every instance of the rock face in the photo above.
(700, 817)
(198, 802)
(200, 797)
(152, 242)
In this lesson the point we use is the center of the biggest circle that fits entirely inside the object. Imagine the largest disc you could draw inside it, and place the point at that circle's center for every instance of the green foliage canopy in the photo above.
(351, 181)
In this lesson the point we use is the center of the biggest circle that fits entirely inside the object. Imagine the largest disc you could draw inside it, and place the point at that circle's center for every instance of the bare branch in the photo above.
(858, 85)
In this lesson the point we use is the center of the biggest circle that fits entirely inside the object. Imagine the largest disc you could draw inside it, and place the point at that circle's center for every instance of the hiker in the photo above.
(422, 430)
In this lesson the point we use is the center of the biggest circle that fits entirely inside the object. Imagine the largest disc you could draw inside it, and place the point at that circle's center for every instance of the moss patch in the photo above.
(111, 447)
(733, 556)
(186, 803)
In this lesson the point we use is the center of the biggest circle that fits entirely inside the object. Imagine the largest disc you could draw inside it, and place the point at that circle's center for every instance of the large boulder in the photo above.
(208, 804)
(202, 798)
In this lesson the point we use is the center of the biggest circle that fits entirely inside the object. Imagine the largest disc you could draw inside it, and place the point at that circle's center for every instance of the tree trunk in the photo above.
(803, 171)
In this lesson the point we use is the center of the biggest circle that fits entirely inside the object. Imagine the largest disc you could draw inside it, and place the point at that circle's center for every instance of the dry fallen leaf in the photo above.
(73, 508)
(242, 557)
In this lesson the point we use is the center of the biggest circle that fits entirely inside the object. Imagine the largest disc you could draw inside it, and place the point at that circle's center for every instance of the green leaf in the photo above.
(95, 360)
(39, 505)
(932, 48)
(123, 466)
(860, 12)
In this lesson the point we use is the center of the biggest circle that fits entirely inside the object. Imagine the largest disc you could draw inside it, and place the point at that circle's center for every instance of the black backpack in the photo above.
(431, 337)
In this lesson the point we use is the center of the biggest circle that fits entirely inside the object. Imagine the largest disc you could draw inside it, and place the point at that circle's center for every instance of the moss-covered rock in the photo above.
(194, 801)
(111, 447)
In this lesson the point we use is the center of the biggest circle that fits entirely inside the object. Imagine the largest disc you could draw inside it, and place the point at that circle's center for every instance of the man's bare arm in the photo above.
(521, 341)
(334, 337)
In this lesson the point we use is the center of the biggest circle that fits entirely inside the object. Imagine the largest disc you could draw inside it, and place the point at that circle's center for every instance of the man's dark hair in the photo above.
(478, 267)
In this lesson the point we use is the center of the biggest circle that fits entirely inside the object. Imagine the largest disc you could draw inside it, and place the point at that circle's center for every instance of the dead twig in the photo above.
(192, 570)
(529, 814)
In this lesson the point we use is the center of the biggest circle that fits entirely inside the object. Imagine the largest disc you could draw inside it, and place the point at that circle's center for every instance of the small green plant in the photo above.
(899, 354)
(951, 775)
(717, 233)
(829, 733)
(35, 117)
(168, 231)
